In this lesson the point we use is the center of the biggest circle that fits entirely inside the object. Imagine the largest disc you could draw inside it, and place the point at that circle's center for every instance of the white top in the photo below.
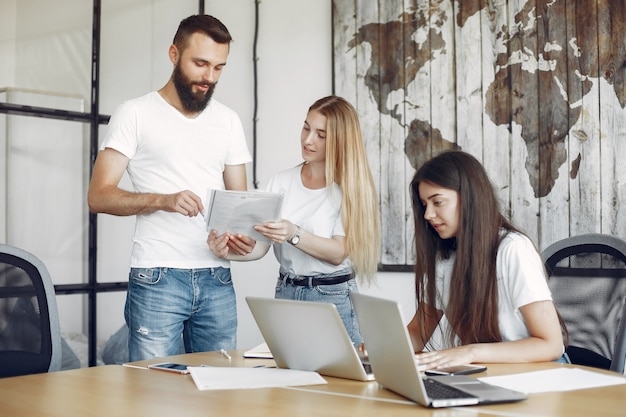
(170, 153)
(521, 281)
(316, 211)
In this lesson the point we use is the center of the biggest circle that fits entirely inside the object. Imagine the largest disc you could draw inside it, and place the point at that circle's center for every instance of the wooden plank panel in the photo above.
(442, 89)
(416, 110)
(392, 79)
(553, 122)
(370, 52)
(431, 98)
(345, 57)
(430, 95)
(367, 71)
(469, 77)
(584, 139)
(524, 114)
(496, 99)
(355, 23)
(612, 58)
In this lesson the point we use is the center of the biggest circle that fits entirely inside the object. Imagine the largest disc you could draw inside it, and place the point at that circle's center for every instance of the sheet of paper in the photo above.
(214, 377)
(562, 379)
(239, 211)
(260, 351)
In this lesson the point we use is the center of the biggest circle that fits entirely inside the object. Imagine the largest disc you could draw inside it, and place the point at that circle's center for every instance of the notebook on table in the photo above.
(308, 336)
(392, 358)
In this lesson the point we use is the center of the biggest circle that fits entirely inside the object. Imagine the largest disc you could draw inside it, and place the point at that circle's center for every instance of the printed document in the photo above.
(215, 377)
(239, 211)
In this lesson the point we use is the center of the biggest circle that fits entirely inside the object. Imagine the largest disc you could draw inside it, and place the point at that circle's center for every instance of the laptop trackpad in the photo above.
(478, 388)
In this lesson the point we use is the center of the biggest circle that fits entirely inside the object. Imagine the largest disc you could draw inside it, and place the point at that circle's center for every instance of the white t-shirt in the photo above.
(521, 281)
(170, 153)
(316, 211)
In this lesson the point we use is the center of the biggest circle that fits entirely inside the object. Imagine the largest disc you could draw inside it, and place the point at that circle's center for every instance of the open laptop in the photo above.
(308, 336)
(392, 358)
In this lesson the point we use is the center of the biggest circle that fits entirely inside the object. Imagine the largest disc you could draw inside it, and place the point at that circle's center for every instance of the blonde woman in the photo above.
(329, 233)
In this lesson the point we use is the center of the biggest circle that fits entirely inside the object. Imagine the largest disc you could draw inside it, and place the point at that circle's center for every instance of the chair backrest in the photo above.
(30, 335)
(587, 277)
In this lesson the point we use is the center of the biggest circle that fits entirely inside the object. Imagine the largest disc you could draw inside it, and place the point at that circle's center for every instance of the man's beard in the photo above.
(192, 102)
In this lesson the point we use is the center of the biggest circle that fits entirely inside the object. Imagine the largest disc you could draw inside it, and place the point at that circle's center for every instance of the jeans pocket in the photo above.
(149, 276)
(223, 275)
(340, 289)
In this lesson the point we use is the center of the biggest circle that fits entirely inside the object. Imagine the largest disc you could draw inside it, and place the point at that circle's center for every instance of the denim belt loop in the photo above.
(310, 282)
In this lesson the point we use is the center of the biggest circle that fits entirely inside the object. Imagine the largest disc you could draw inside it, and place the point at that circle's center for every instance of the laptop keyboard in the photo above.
(367, 367)
(438, 391)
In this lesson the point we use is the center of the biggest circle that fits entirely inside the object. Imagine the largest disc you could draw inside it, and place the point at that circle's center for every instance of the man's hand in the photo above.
(184, 202)
(228, 244)
(240, 244)
(218, 244)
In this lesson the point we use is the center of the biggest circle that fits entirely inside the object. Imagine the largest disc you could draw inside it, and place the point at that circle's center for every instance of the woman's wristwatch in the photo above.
(295, 239)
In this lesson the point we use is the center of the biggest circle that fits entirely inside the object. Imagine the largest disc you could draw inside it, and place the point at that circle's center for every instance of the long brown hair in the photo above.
(347, 166)
(472, 309)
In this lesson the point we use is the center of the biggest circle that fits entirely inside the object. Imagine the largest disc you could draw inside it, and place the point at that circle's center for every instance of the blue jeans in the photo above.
(563, 359)
(163, 303)
(338, 294)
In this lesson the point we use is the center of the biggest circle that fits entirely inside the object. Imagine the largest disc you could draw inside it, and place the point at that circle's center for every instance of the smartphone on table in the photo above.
(178, 368)
(457, 370)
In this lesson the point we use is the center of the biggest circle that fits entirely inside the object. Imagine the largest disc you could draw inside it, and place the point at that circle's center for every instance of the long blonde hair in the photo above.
(347, 166)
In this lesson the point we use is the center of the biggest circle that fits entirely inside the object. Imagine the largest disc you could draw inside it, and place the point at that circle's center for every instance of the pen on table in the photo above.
(225, 354)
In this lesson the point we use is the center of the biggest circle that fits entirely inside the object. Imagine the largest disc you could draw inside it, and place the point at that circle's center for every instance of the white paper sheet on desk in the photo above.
(216, 377)
(563, 379)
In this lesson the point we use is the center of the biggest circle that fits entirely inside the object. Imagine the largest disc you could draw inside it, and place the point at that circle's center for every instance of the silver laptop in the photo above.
(393, 361)
(308, 336)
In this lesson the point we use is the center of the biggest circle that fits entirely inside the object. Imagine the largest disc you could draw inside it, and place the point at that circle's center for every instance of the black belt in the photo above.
(304, 282)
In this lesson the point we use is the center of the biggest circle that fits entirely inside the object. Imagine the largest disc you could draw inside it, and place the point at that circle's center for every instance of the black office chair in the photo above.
(587, 277)
(30, 335)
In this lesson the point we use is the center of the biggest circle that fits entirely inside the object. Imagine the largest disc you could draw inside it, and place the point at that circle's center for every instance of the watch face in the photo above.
(296, 237)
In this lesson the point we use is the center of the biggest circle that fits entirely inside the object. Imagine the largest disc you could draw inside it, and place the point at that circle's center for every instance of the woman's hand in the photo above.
(278, 232)
(332, 250)
(445, 358)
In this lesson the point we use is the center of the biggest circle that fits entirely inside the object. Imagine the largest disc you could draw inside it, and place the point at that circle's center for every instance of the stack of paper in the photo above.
(214, 377)
(562, 379)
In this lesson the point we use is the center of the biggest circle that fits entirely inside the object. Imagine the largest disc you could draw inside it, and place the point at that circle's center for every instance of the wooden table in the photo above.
(134, 391)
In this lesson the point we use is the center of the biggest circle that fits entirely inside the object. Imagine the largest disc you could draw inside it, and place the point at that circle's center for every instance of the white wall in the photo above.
(294, 69)
(7, 45)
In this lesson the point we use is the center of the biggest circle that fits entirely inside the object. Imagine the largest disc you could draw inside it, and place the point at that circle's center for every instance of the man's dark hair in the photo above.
(202, 23)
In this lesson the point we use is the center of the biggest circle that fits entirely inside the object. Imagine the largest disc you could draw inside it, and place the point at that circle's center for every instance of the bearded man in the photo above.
(175, 143)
